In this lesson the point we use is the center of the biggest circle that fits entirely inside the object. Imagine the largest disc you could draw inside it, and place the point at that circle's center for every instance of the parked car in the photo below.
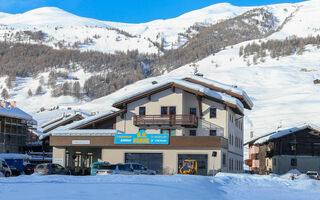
(14, 171)
(51, 168)
(29, 169)
(95, 166)
(140, 169)
(126, 169)
(4, 168)
(313, 174)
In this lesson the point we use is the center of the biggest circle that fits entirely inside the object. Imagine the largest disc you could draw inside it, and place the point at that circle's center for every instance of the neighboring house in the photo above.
(203, 118)
(14, 128)
(293, 148)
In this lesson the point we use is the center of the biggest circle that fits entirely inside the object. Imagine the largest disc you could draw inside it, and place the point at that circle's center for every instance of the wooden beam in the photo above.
(199, 98)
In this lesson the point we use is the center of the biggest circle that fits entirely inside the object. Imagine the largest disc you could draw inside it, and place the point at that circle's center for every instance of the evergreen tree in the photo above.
(39, 90)
(5, 94)
(30, 93)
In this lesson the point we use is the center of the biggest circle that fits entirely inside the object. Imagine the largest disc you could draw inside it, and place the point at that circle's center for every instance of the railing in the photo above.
(148, 120)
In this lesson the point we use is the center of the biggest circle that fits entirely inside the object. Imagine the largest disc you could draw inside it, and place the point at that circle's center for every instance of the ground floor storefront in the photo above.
(79, 152)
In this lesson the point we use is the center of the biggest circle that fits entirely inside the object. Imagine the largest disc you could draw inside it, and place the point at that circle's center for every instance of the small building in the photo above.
(14, 128)
(202, 118)
(292, 148)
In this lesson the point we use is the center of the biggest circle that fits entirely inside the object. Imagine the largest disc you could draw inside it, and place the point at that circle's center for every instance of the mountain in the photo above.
(271, 51)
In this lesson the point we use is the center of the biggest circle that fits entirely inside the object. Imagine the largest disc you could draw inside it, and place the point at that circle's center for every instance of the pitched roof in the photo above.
(224, 88)
(14, 112)
(282, 133)
(61, 121)
(188, 86)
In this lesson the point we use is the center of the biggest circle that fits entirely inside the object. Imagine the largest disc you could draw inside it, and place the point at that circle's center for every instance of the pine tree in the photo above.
(39, 90)
(5, 94)
(30, 93)
(76, 89)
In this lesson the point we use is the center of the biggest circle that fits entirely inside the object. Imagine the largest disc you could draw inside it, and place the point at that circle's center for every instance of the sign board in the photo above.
(57, 161)
(141, 138)
(80, 141)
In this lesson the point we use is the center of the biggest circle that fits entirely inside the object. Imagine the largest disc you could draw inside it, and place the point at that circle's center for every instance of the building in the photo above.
(293, 148)
(203, 118)
(14, 128)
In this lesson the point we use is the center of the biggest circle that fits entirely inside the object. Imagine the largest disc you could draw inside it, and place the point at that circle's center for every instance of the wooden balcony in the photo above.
(170, 120)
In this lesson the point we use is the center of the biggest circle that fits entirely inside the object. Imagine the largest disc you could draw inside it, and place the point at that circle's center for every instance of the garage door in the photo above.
(150, 160)
(202, 160)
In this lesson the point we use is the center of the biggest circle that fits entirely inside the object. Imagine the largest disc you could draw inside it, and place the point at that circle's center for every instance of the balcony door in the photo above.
(168, 110)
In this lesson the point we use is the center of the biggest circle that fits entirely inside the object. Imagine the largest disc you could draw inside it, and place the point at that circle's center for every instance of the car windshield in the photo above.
(100, 166)
(125, 167)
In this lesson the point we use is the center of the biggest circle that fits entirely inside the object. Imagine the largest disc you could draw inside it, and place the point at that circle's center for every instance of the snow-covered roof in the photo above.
(285, 132)
(62, 120)
(224, 87)
(88, 119)
(193, 86)
(14, 112)
(85, 132)
(14, 156)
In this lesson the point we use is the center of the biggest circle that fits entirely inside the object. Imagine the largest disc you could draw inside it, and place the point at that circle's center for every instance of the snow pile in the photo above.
(224, 187)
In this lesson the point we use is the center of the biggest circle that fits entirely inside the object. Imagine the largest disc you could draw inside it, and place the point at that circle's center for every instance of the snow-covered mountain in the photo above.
(65, 30)
(281, 87)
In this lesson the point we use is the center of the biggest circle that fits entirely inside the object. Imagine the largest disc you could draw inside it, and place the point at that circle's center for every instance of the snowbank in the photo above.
(223, 187)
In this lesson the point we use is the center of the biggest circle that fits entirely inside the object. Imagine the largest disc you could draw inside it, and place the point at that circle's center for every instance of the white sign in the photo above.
(80, 141)
(58, 161)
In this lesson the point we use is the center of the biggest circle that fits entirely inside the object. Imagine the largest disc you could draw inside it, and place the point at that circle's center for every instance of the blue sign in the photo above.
(141, 138)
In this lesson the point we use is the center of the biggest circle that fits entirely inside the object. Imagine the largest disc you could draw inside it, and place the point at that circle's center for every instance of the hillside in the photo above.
(277, 75)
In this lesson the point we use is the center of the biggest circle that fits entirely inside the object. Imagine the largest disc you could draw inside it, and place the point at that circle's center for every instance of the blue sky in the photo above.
(133, 11)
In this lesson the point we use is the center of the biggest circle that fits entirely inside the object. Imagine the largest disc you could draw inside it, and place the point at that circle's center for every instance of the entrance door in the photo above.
(150, 160)
(202, 160)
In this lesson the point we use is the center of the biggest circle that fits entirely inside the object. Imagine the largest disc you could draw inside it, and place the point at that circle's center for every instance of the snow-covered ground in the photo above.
(223, 187)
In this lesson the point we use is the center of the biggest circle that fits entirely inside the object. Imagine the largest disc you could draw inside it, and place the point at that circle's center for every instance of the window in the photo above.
(172, 110)
(172, 132)
(164, 110)
(213, 132)
(193, 111)
(293, 147)
(293, 162)
(213, 112)
(224, 159)
(193, 133)
(142, 110)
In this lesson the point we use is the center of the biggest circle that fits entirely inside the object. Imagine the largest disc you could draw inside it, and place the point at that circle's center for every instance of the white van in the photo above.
(4, 168)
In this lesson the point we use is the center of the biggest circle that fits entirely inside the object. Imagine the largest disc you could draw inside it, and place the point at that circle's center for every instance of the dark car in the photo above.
(51, 168)
(14, 171)
(29, 169)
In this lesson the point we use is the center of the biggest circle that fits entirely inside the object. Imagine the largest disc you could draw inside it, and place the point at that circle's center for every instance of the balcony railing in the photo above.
(171, 120)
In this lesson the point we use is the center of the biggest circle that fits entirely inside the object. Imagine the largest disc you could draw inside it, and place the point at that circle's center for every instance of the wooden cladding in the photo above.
(174, 141)
(170, 120)
(248, 162)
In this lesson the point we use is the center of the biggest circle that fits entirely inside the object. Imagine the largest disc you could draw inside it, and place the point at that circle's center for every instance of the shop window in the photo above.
(213, 132)
(213, 113)
(192, 133)
(294, 162)
(193, 111)
(142, 110)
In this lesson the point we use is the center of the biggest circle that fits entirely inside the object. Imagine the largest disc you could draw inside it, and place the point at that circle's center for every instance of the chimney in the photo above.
(154, 82)
(251, 134)
(13, 104)
(3, 104)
